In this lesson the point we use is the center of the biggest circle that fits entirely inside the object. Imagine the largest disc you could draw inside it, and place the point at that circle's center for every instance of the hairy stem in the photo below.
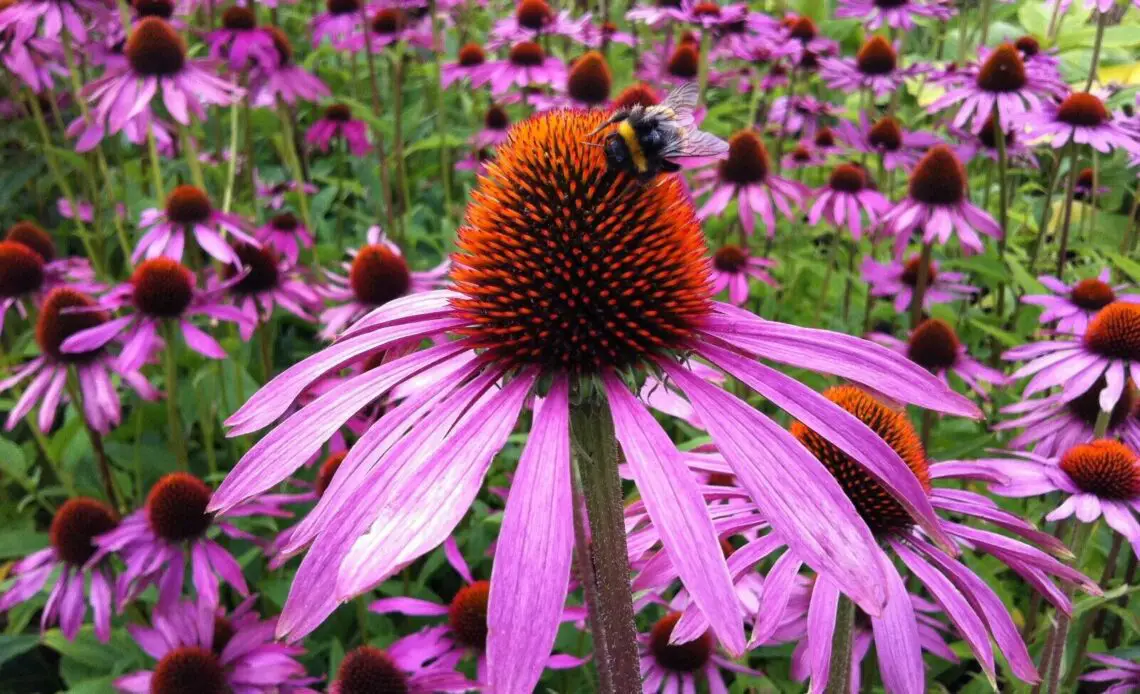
(839, 668)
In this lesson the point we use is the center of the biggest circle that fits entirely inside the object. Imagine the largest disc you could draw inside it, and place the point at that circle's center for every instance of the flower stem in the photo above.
(1086, 624)
(265, 344)
(984, 22)
(398, 136)
(96, 441)
(1054, 180)
(385, 180)
(920, 282)
(1101, 20)
(231, 165)
(588, 580)
(596, 456)
(155, 165)
(190, 149)
(839, 668)
(703, 64)
(828, 270)
(174, 420)
(1052, 666)
(1063, 249)
(790, 94)
(444, 152)
(289, 151)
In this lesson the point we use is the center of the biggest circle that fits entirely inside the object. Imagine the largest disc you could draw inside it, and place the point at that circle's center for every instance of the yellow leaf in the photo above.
(1120, 74)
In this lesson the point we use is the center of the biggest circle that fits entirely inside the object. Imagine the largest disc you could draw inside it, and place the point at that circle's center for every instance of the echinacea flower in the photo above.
(709, 14)
(1051, 426)
(655, 14)
(845, 199)
(1072, 306)
(467, 65)
(75, 524)
(286, 234)
(555, 242)
(798, 114)
(1098, 479)
(261, 281)
(1000, 83)
(341, 20)
(895, 279)
(745, 175)
(875, 68)
(886, 138)
(156, 62)
(160, 290)
(284, 80)
(1109, 347)
(240, 42)
(64, 312)
(419, 663)
(798, 37)
(680, 66)
(935, 346)
(188, 210)
(49, 18)
(803, 156)
(388, 26)
(589, 81)
(897, 14)
(601, 35)
(274, 193)
(527, 65)
(337, 122)
(1086, 182)
(1080, 118)
(1122, 675)
(936, 203)
(733, 267)
(198, 647)
(30, 58)
(680, 667)
(29, 270)
(1018, 152)
(496, 125)
(377, 274)
(533, 20)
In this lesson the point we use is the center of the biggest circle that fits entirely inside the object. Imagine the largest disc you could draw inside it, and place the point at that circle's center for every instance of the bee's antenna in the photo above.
(590, 144)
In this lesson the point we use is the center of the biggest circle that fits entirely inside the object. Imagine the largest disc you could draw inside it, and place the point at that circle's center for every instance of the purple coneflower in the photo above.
(897, 279)
(680, 667)
(999, 83)
(476, 161)
(805, 117)
(1051, 426)
(160, 290)
(274, 193)
(377, 274)
(845, 198)
(1072, 306)
(634, 295)
(198, 647)
(681, 66)
(733, 267)
(985, 143)
(155, 62)
(419, 663)
(532, 20)
(284, 80)
(337, 122)
(875, 67)
(51, 17)
(708, 14)
(936, 202)
(526, 65)
(1109, 347)
(934, 345)
(746, 176)
(286, 234)
(1086, 180)
(899, 148)
(1122, 675)
(1081, 118)
(468, 65)
(655, 14)
(240, 41)
(897, 14)
(600, 35)
(804, 156)
(798, 38)
(188, 209)
(496, 125)
(390, 25)
(65, 312)
(29, 270)
(262, 280)
(31, 59)
(341, 20)
(73, 528)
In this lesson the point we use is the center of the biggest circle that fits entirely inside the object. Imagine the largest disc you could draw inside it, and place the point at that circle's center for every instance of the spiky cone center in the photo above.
(238, 18)
(379, 275)
(847, 178)
(1028, 46)
(163, 9)
(369, 670)
(76, 524)
(527, 54)
(282, 45)
(162, 287)
(590, 81)
(21, 269)
(685, 61)
(34, 237)
(877, 57)
(681, 657)
(637, 94)
(188, 204)
(261, 263)
(389, 20)
(327, 470)
(342, 7)
(533, 14)
(1082, 109)
(496, 118)
(189, 670)
(467, 615)
(803, 29)
(155, 49)
(886, 135)
(570, 265)
(882, 513)
(176, 507)
(706, 9)
(1106, 469)
(747, 160)
(56, 323)
(988, 135)
(1086, 406)
(824, 138)
(1114, 332)
(472, 55)
(938, 178)
(1092, 294)
(1003, 71)
(730, 258)
(934, 345)
(911, 269)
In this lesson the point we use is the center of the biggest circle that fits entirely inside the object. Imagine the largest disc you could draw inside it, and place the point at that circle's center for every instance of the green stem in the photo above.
(377, 136)
(985, 22)
(96, 442)
(839, 667)
(1063, 249)
(289, 151)
(441, 112)
(1038, 242)
(703, 64)
(1101, 20)
(920, 285)
(155, 165)
(1053, 666)
(231, 164)
(1086, 624)
(828, 270)
(190, 148)
(596, 457)
(790, 94)
(265, 345)
(398, 135)
(174, 419)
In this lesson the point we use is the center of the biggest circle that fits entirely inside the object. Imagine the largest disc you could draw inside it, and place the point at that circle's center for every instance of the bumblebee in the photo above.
(649, 138)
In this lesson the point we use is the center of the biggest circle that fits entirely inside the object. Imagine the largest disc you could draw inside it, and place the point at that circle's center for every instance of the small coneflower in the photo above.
(1122, 676)
(468, 65)
(801, 115)
(340, 21)
(637, 94)
(590, 80)
(274, 193)
(286, 234)
(188, 211)
(804, 156)
(1018, 151)
(67, 311)
(655, 14)
(156, 63)
(74, 527)
(29, 270)
(48, 18)
(410, 665)
(798, 38)
(680, 667)
(33, 60)
(240, 42)
(709, 14)
(897, 14)
(934, 345)
(1072, 306)
(377, 274)
(745, 175)
(283, 79)
(680, 66)
(897, 279)
(1051, 426)
(1086, 181)
(886, 137)
(337, 122)
(160, 290)
(733, 266)
(1082, 118)
(388, 26)
(936, 202)
(260, 281)
(532, 20)
(199, 648)
(600, 35)
(618, 270)
(496, 125)
(875, 67)
(527, 65)
(999, 83)
(846, 198)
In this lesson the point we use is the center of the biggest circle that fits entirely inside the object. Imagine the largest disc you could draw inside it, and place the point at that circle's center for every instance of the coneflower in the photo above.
(188, 211)
(875, 67)
(401, 667)
(897, 14)
(337, 122)
(886, 138)
(1072, 306)
(934, 345)
(999, 85)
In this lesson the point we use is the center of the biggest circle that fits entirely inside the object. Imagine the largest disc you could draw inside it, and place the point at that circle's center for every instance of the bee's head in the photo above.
(617, 152)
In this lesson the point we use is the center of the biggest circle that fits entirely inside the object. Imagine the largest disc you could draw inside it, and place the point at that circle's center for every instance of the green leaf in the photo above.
(98, 685)
(20, 542)
(1129, 266)
(1006, 338)
(433, 142)
(13, 645)
(1021, 276)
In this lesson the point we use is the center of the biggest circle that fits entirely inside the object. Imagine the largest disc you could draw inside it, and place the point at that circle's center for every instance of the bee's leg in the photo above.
(670, 166)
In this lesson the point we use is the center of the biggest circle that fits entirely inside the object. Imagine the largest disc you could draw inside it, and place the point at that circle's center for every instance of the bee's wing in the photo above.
(681, 101)
(696, 143)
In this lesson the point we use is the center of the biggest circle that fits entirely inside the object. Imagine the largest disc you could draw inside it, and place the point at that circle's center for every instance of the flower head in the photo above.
(897, 14)
(420, 663)
(733, 267)
(668, 666)
(845, 198)
(188, 210)
(1072, 306)
(286, 234)
(240, 41)
(999, 84)
(898, 279)
(1051, 426)
(527, 65)
(282, 79)
(935, 346)
(875, 67)
(1082, 118)
(262, 280)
